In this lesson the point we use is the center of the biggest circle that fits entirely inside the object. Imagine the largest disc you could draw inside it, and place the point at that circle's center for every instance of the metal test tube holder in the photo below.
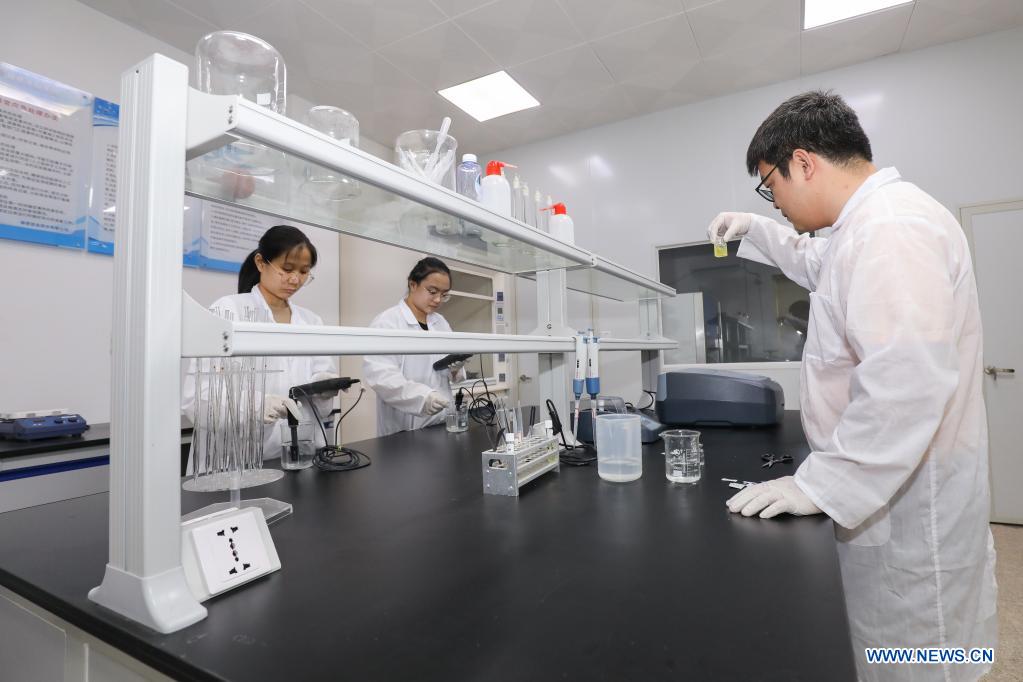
(506, 470)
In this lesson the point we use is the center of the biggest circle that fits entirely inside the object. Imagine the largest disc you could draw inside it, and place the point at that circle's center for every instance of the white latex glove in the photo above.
(773, 497)
(277, 406)
(455, 366)
(323, 376)
(435, 402)
(729, 226)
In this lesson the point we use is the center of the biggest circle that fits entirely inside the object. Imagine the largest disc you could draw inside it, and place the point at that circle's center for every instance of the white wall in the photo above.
(55, 330)
(947, 117)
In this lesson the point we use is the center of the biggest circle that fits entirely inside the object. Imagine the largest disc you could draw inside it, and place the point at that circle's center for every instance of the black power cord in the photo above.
(574, 455)
(482, 409)
(653, 400)
(336, 457)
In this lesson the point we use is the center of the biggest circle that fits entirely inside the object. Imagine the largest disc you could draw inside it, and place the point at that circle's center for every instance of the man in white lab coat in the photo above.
(890, 396)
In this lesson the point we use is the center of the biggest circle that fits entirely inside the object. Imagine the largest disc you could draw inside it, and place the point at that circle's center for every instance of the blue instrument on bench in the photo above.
(39, 425)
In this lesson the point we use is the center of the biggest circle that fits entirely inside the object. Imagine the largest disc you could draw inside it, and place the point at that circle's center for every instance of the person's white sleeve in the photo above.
(797, 255)
(900, 323)
(188, 392)
(382, 373)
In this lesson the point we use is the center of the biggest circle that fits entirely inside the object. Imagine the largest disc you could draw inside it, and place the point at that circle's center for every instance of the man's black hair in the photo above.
(818, 121)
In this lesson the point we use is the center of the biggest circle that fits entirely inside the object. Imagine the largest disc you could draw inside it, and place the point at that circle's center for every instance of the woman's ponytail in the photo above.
(248, 276)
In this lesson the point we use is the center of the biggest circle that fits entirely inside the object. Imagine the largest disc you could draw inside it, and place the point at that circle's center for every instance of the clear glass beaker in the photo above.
(298, 445)
(428, 154)
(457, 418)
(234, 63)
(682, 456)
(619, 447)
(322, 184)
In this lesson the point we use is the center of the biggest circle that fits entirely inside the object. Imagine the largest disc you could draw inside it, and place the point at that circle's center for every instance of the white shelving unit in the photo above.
(164, 123)
(475, 307)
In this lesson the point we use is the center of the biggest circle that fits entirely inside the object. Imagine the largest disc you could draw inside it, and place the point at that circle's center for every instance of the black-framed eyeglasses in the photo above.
(767, 192)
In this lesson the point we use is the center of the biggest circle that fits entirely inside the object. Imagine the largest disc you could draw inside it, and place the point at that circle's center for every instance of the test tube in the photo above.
(541, 215)
(516, 198)
(528, 209)
(720, 247)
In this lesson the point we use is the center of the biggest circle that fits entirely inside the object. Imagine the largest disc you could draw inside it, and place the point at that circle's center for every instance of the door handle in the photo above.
(525, 378)
(993, 371)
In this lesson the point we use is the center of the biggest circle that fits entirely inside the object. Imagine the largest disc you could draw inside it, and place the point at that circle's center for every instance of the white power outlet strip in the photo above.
(224, 550)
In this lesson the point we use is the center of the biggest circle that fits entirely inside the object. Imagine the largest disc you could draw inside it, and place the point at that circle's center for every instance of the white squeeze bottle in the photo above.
(495, 192)
(561, 225)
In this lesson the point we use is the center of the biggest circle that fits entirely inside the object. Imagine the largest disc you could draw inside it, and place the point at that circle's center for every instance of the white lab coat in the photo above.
(893, 411)
(284, 372)
(402, 382)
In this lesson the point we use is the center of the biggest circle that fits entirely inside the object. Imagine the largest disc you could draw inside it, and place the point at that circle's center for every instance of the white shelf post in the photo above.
(552, 320)
(650, 328)
(144, 580)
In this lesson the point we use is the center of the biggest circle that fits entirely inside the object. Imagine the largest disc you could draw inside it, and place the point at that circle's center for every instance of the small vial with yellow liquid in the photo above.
(720, 248)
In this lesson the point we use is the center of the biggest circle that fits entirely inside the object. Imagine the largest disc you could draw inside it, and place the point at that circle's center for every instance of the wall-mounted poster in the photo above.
(103, 189)
(103, 185)
(192, 236)
(45, 129)
(229, 234)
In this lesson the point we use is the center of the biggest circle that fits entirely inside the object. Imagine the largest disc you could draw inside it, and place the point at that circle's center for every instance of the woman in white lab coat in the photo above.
(270, 275)
(410, 393)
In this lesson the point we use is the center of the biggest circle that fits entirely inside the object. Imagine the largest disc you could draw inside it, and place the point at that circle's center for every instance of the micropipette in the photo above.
(579, 380)
(593, 375)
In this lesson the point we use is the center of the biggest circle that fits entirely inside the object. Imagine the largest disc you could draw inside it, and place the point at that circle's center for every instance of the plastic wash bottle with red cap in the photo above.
(561, 225)
(495, 192)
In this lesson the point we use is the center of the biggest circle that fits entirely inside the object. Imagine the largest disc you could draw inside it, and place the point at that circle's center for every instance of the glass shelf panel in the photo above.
(279, 167)
(613, 281)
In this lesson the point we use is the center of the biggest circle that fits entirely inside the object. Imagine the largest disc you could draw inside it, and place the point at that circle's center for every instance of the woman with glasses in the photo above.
(410, 393)
(281, 264)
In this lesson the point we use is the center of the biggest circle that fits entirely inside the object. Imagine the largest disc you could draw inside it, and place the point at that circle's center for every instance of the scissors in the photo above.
(770, 460)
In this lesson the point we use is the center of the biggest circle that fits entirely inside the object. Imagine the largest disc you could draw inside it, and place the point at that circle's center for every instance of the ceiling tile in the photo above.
(646, 99)
(379, 22)
(656, 54)
(223, 13)
(597, 18)
(940, 21)
(736, 24)
(516, 31)
(854, 40)
(526, 125)
(312, 48)
(158, 18)
(473, 137)
(453, 8)
(742, 70)
(693, 4)
(595, 108)
(440, 57)
(562, 75)
(375, 87)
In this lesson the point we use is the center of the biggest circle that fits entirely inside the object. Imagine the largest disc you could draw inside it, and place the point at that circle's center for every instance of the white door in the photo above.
(997, 243)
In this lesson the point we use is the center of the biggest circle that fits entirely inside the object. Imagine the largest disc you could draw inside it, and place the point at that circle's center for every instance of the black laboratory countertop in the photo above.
(405, 571)
(97, 435)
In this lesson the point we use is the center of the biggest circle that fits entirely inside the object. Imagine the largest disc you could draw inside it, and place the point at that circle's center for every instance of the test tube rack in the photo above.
(509, 467)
